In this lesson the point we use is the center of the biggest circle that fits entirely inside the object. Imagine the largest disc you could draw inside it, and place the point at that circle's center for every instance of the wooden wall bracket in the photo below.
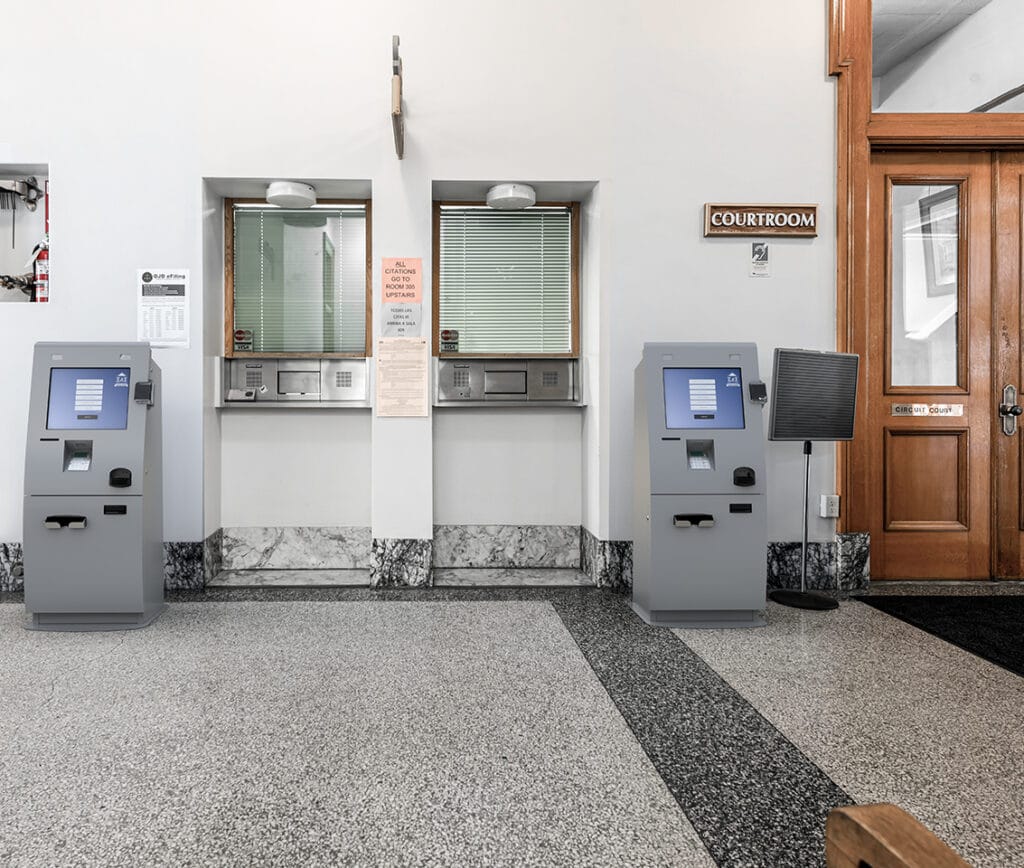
(397, 121)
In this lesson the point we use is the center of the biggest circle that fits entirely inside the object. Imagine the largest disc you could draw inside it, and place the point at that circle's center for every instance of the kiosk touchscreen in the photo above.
(93, 534)
(699, 523)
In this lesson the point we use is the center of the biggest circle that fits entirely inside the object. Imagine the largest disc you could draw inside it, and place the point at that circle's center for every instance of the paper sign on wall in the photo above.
(402, 294)
(163, 295)
(403, 378)
(760, 263)
(402, 281)
(401, 320)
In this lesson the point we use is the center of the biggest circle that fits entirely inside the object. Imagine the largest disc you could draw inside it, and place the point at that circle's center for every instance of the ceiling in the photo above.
(901, 28)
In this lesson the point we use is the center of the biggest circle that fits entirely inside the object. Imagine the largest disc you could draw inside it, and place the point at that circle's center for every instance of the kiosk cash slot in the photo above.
(93, 527)
(699, 522)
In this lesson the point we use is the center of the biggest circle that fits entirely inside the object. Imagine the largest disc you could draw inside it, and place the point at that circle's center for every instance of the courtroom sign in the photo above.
(731, 220)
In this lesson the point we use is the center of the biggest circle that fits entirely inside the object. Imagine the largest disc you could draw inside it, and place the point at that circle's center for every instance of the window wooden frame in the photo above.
(860, 130)
(229, 286)
(574, 284)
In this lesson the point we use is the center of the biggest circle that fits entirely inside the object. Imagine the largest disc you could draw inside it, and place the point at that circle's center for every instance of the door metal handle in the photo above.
(1009, 410)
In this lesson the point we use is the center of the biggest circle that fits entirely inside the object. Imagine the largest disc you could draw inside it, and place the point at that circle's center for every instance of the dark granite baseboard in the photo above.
(609, 563)
(401, 563)
(183, 566)
(11, 578)
(842, 564)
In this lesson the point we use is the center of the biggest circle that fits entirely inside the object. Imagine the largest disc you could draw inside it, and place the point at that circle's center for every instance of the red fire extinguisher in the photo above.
(42, 258)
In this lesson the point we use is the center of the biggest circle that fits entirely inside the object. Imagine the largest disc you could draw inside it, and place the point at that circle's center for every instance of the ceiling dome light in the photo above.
(291, 194)
(511, 197)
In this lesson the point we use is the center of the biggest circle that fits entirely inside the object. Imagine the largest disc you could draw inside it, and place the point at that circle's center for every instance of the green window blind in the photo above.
(300, 278)
(506, 279)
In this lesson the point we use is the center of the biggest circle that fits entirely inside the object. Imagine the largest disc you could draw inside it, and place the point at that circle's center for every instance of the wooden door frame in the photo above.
(859, 130)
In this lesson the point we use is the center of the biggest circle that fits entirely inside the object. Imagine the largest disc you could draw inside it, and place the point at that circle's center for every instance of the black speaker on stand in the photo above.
(814, 397)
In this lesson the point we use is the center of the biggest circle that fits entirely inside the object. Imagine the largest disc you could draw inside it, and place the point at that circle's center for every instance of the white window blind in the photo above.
(505, 279)
(300, 278)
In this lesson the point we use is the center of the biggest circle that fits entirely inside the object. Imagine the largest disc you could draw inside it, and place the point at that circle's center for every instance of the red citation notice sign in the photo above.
(402, 281)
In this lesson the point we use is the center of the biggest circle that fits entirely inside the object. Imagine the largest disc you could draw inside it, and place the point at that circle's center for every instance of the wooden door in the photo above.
(921, 484)
(1007, 336)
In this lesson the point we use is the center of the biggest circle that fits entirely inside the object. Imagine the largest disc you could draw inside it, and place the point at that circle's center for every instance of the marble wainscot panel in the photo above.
(401, 562)
(296, 548)
(11, 578)
(609, 563)
(183, 566)
(213, 554)
(853, 566)
(515, 577)
(500, 546)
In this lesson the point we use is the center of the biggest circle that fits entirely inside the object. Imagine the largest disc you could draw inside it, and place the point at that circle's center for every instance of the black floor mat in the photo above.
(991, 627)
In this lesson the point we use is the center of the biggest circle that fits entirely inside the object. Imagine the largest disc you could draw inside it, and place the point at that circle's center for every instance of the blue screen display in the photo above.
(703, 398)
(88, 398)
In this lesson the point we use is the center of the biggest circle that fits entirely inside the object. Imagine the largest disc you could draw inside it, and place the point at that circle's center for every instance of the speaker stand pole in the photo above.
(804, 599)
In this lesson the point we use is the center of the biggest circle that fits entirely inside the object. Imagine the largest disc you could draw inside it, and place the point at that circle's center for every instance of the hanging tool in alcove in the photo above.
(28, 191)
(13, 189)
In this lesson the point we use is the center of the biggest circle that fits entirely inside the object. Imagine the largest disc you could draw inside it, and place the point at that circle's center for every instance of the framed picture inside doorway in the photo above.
(940, 230)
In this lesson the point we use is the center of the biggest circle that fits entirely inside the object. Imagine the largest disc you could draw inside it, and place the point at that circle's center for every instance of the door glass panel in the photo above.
(947, 55)
(924, 265)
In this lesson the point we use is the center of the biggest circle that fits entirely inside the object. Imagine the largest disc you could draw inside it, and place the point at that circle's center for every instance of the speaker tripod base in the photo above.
(803, 599)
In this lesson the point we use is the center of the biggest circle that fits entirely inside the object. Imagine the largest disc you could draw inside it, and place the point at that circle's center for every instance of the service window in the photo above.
(297, 280)
(506, 283)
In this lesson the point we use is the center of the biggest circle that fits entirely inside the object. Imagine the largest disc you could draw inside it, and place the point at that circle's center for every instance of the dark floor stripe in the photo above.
(750, 794)
(989, 627)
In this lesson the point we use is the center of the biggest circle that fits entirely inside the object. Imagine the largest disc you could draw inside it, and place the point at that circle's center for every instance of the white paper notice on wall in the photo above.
(403, 377)
(163, 295)
(760, 259)
(401, 320)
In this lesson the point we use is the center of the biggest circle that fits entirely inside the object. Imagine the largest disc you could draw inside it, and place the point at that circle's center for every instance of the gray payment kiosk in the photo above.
(93, 536)
(699, 520)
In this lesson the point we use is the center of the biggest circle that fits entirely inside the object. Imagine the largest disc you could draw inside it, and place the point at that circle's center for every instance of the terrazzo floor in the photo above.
(498, 726)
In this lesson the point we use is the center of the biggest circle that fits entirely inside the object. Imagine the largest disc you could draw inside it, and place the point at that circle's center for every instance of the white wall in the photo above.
(507, 466)
(973, 63)
(295, 468)
(110, 105)
(663, 105)
(744, 113)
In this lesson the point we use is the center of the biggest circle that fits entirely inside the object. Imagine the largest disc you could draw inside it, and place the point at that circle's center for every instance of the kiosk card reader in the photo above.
(699, 521)
(93, 535)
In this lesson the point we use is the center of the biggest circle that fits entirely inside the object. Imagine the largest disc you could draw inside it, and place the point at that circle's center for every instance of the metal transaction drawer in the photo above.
(298, 383)
(501, 381)
(505, 383)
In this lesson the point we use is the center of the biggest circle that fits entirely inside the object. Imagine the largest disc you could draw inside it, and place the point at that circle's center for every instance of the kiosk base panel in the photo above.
(93, 622)
(707, 620)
